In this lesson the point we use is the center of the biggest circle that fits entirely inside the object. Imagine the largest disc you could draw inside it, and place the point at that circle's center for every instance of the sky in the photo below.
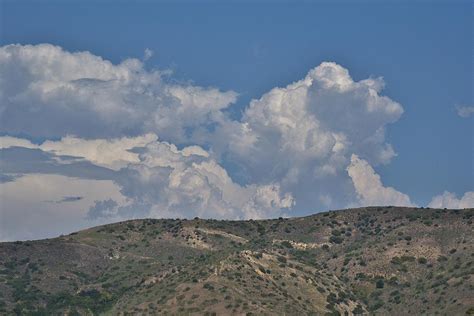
(235, 110)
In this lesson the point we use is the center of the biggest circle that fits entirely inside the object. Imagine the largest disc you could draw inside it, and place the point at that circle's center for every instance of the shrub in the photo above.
(413, 217)
(208, 286)
(379, 284)
(336, 239)
(422, 260)
(358, 310)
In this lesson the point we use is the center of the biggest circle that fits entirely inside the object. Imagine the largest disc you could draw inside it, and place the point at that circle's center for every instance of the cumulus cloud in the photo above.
(292, 143)
(88, 96)
(370, 189)
(170, 150)
(157, 178)
(298, 138)
(465, 111)
(188, 182)
(113, 153)
(304, 134)
(449, 200)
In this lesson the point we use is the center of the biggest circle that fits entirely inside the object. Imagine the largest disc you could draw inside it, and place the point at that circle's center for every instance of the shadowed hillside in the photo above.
(378, 260)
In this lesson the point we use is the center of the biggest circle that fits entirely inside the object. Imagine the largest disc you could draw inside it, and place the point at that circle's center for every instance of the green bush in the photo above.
(336, 239)
(379, 284)
(208, 286)
(422, 260)
(358, 310)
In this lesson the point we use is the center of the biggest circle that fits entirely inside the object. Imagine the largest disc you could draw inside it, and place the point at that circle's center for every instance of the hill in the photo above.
(377, 260)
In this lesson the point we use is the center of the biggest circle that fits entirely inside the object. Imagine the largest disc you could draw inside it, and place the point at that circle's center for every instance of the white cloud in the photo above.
(369, 187)
(299, 137)
(158, 179)
(302, 135)
(188, 182)
(90, 97)
(465, 111)
(148, 53)
(113, 153)
(325, 114)
(449, 200)
(8, 141)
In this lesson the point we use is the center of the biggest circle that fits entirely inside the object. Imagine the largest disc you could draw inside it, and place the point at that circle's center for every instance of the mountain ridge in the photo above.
(371, 260)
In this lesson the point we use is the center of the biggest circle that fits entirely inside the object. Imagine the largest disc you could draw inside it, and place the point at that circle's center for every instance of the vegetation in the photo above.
(384, 261)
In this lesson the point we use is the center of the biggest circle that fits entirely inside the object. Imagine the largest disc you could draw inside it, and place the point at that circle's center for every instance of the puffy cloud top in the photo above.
(88, 96)
(369, 187)
(449, 200)
(304, 134)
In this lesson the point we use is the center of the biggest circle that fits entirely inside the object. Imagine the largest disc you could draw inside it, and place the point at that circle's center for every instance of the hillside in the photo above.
(378, 260)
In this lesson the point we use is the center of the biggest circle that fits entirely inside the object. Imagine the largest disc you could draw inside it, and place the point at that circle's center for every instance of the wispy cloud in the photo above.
(465, 111)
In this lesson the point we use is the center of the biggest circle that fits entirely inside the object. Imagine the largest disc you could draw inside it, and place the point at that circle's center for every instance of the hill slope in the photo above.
(380, 260)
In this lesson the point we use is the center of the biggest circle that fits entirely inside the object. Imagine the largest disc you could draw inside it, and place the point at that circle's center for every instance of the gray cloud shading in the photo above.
(8, 178)
(70, 199)
(102, 209)
(17, 160)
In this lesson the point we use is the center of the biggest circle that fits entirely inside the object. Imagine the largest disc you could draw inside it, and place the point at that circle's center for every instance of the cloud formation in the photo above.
(369, 187)
(159, 148)
(88, 96)
(449, 200)
(465, 111)
(156, 178)
(188, 182)
(111, 153)
(298, 138)
(304, 134)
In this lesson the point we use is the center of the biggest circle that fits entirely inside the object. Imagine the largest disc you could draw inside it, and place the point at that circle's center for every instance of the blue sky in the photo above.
(423, 52)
